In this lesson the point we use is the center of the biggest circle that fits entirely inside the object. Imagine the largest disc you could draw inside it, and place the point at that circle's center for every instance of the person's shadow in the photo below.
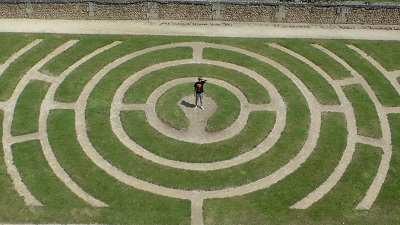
(187, 104)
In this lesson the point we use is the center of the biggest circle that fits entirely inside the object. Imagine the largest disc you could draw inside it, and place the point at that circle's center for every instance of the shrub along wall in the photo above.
(238, 11)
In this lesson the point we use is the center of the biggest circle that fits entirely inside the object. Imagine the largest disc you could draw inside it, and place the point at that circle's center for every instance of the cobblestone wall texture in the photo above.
(374, 16)
(175, 11)
(324, 15)
(203, 11)
(121, 12)
(60, 11)
(249, 13)
(13, 11)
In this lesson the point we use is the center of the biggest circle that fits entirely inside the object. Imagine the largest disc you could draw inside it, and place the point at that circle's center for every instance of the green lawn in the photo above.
(128, 204)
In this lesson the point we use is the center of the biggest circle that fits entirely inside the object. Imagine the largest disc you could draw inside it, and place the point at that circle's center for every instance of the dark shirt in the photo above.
(199, 86)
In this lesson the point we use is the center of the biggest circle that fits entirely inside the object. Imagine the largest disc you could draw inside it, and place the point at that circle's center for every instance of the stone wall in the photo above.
(319, 15)
(374, 16)
(278, 12)
(120, 12)
(13, 11)
(250, 13)
(55, 11)
(174, 11)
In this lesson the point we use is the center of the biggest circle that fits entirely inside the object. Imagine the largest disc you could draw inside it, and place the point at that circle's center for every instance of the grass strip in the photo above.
(12, 206)
(16, 211)
(382, 87)
(337, 207)
(136, 166)
(169, 111)
(85, 46)
(258, 126)
(320, 88)
(319, 58)
(127, 205)
(388, 200)
(27, 110)
(12, 43)
(352, 187)
(73, 84)
(10, 78)
(40, 179)
(314, 81)
(228, 109)
(254, 92)
(272, 204)
(367, 120)
(384, 52)
(106, 143)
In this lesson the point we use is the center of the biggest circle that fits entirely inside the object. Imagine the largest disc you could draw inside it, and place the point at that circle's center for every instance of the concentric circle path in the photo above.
(277, 105)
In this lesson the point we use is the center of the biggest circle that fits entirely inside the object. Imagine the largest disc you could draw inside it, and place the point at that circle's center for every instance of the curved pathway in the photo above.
(352, 138)
(8, 139)
(197, 196)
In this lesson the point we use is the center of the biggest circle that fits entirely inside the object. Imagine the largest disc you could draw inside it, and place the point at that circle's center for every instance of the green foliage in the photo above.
(12, 207)
(383, 89)
(385, 52)
(290, 143)
(10, 44)
(325, 62)
(126, 205)
(367, 119)
(129, 205)
(320, 88)
(40, 179)
(12, 75)
(141, 89)
(168, 109)
(273, 204)
(85, 46)
(73, 85)
(355, 182)
(26, 115)
(228, 109)
(388, 200)
(258, 127)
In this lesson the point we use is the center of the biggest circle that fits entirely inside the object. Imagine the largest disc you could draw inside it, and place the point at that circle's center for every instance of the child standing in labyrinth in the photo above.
(199, 92)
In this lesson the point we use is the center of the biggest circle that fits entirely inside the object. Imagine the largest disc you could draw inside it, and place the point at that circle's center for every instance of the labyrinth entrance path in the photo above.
(103, 128)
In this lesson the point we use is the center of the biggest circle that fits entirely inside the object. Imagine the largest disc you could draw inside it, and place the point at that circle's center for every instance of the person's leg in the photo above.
(201, 100)
(196, 100)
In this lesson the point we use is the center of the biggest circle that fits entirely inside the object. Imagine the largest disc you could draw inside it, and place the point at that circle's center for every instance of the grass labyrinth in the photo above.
(304, 131)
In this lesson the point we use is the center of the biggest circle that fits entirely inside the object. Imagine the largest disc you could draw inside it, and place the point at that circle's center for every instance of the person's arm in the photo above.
(194, 93)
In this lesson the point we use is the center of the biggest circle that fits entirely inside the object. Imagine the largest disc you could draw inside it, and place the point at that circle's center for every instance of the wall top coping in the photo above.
(353, 4)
